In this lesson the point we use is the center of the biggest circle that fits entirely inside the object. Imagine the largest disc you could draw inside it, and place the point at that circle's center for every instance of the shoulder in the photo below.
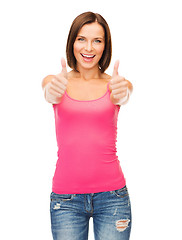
(72, 74)
(107, 79)
(106, 76)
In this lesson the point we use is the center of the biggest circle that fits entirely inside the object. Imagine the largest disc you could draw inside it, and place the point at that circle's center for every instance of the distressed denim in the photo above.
(111, 212)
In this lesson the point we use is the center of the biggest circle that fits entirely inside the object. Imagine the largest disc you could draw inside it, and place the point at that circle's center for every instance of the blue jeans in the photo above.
(111, 212)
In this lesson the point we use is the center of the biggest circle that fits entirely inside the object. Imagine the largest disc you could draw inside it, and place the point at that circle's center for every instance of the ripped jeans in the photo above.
(111, 212)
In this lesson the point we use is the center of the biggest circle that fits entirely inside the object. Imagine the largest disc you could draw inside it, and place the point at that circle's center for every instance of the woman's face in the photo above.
(89, 46)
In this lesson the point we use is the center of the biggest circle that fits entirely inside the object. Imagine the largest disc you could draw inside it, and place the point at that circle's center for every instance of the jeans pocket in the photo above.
(122, 192)
(61, 197)
(59, 200)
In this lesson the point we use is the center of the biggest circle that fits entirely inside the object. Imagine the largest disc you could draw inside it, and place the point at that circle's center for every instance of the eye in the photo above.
(98, 41)
(80, 39)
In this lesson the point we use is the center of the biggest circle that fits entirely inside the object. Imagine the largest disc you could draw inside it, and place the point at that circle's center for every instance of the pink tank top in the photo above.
(86, 133)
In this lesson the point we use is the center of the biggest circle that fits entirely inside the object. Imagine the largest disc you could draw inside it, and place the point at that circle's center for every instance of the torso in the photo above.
(84, 90)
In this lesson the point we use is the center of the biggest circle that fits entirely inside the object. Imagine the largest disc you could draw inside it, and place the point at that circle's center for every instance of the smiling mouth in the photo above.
(87, 56)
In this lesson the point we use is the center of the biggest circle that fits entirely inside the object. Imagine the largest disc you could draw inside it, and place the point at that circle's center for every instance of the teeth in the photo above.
(88, 56)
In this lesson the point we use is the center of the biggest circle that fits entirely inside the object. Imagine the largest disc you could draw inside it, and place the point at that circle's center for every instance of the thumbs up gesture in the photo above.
(57, 85)
(119, 87)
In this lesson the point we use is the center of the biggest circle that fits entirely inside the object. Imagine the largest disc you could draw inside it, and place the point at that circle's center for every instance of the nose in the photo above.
(88, 46)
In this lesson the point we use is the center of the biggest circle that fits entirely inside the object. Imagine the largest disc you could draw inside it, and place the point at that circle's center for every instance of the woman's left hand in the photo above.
(120, 87)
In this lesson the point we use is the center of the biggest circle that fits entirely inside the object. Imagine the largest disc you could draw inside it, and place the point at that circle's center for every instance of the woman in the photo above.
(88, 179)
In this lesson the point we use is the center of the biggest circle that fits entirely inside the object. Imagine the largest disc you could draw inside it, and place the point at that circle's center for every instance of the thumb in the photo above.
(115, 70)
(64, 69)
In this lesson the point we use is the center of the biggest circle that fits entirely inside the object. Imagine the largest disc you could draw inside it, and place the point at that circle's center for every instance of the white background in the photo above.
(147, 40)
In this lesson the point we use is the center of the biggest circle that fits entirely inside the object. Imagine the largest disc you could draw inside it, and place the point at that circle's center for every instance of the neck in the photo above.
(88, 74)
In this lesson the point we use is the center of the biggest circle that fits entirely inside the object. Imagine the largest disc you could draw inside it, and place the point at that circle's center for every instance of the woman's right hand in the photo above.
(56, 85)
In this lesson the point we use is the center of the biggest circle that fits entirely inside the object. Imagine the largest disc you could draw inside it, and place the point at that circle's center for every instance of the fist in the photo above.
(55, 89)
(118, 86)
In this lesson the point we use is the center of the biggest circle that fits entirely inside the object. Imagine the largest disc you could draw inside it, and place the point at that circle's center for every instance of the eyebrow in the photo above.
(94, 38)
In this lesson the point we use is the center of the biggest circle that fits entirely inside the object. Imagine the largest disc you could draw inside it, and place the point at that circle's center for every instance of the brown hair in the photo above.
(78, 23)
